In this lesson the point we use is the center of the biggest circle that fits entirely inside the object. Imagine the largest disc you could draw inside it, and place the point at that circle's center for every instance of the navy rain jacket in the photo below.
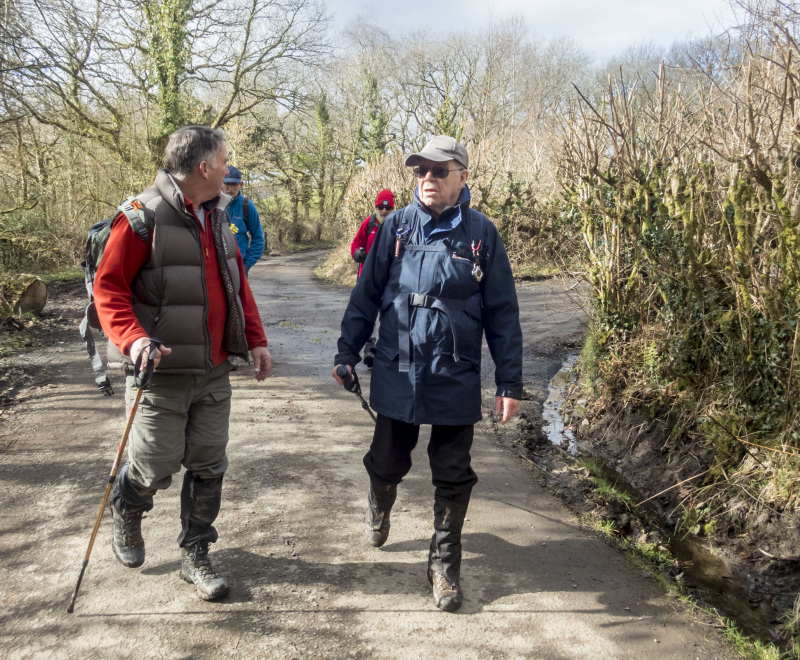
(433, 316)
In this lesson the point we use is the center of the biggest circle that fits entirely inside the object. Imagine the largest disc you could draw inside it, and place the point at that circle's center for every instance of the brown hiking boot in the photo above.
(197, 569)
(128, 544)
(448, 597)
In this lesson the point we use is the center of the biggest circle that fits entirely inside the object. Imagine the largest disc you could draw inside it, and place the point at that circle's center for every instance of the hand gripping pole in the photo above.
(141, 380)
(351, 384)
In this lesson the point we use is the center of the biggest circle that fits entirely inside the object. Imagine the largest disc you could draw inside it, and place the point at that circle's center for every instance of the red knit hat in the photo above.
(385, 199)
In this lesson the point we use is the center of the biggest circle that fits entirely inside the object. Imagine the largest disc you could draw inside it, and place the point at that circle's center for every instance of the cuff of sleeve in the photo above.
(257, 344)
(509, 392)
(346, 358)
(125, 345)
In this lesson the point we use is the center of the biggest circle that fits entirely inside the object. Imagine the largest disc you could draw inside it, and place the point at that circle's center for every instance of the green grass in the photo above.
(604, 489)
(752, 649)
(63, 275)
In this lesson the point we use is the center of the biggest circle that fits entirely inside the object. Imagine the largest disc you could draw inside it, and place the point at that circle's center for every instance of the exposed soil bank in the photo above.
(748, 568)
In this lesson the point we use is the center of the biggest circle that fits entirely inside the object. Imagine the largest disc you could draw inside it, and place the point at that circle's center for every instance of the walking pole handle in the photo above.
(351, 384)
(142, 378)
(349, 377)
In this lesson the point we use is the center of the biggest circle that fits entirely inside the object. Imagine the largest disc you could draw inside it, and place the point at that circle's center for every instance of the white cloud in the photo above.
(604, 28)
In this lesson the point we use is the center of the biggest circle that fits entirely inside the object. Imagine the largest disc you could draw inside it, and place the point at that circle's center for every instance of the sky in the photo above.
(604, 27)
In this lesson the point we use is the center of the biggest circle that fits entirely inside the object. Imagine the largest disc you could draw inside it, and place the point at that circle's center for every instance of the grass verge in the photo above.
(656, 559)
(339, 268)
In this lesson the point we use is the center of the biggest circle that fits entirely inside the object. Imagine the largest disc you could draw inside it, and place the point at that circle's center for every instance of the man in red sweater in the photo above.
(359, 248)
(186, 286)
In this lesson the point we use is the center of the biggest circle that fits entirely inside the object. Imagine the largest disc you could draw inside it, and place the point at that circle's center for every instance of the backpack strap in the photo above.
(373, 220)
(245, 210)
(406, 222)
(476, 227)
(134, 212)
(100, 378)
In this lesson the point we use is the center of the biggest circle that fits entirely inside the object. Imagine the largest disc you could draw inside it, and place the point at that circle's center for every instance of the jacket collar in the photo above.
(171, 193)
(448, 219)
(462, 202)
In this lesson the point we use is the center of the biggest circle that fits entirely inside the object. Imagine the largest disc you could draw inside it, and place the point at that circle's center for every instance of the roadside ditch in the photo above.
(619, 473)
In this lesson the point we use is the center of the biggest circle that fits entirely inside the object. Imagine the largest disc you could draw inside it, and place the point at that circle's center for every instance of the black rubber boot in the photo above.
(380, 502)
(196, 569)
(128, 543)
(444, 558)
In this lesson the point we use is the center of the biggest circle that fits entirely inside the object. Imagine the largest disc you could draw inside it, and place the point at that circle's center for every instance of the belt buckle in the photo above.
(418, 300)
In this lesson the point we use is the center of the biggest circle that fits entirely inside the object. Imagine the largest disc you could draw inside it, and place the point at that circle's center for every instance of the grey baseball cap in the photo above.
(440, 149)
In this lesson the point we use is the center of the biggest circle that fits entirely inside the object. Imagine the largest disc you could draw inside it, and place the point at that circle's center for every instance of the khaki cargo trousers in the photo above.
(182, 421)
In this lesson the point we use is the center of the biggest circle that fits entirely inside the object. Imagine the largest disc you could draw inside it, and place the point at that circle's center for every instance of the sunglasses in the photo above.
(438, 171)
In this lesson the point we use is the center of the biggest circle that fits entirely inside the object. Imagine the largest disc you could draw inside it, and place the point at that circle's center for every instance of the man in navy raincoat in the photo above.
(440, 279)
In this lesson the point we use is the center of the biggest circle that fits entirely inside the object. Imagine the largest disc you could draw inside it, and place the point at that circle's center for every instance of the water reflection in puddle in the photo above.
(553, 426)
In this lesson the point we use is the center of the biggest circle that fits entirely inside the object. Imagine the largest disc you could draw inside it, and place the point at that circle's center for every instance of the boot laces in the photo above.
(201, 564)
(131, 528)
(440, 583)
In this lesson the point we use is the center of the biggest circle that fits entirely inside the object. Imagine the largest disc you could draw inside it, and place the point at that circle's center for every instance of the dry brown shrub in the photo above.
(359, 200)
(339, 268)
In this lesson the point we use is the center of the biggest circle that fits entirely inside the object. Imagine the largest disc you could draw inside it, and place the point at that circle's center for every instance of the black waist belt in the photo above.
(404, 302)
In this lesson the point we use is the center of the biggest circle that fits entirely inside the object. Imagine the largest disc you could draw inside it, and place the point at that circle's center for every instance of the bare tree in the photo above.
(88, 67)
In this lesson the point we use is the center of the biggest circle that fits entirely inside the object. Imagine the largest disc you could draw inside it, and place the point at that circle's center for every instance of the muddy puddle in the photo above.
(703, 572)
(708, 574)
(554, 427)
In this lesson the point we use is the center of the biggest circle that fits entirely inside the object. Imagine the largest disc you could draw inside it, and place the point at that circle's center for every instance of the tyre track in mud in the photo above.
(305, 584)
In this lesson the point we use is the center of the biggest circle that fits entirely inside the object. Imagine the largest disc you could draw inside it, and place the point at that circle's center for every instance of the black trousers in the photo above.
(389, 457)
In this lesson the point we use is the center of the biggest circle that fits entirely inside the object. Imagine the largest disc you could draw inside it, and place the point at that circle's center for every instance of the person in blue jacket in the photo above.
(439, 277)
(245, 223)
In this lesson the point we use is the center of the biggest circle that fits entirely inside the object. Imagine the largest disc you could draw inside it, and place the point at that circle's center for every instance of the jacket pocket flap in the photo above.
(221, 393)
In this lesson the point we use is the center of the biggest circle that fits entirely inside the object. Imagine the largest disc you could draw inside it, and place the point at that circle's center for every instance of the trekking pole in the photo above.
(141, 380)
(351, 384)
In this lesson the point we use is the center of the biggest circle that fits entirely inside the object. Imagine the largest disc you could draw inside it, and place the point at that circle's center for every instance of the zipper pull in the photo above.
(400, 238)
(477, 271)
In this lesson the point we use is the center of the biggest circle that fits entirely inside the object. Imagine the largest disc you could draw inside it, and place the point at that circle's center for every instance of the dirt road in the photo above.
(305, 584)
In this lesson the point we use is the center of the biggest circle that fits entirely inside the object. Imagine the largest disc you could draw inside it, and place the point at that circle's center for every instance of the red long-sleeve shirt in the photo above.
(125, 255)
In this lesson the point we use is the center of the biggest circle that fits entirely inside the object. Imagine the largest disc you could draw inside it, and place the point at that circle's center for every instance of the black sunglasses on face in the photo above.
(438, 171)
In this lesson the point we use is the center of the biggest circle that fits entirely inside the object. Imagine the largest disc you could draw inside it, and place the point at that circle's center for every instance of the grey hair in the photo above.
(191, 145)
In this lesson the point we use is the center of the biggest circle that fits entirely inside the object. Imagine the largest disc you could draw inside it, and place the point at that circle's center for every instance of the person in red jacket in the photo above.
(359, 248)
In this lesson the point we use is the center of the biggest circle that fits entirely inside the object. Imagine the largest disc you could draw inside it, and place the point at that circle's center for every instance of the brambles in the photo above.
(688, 194)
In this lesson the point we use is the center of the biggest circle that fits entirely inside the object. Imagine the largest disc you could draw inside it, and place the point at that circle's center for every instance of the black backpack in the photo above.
(95, 246)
